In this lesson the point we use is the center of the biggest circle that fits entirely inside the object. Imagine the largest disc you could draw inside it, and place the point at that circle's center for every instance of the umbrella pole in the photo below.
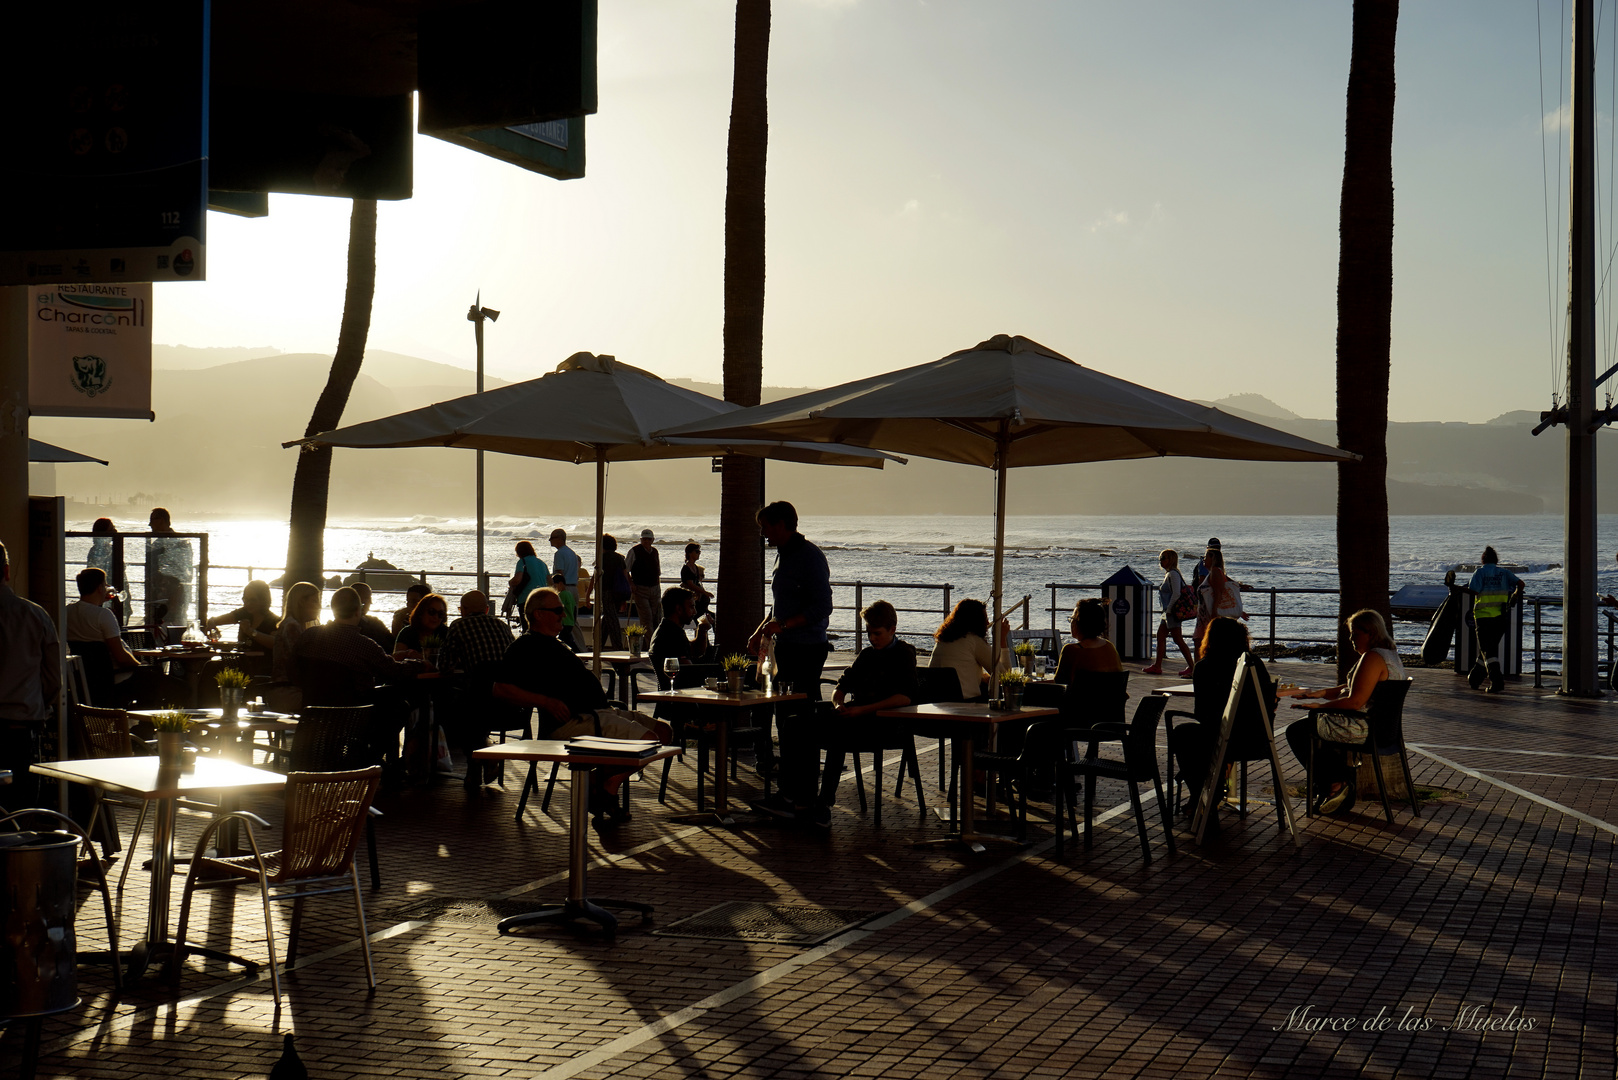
(1001, 445)
(598, 585)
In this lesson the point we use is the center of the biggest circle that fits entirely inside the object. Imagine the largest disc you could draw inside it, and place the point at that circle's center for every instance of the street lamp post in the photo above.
(476, 317)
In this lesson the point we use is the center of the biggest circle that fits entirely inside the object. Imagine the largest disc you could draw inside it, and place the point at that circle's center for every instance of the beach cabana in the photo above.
(1005, 403)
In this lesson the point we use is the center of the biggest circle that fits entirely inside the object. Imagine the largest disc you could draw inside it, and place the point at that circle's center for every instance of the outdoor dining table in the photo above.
(146, 778)
(579, 903)
(1178, 690)
(235, 736)
(623, 666)
(957, 715)
(193, 657)
(730, 706)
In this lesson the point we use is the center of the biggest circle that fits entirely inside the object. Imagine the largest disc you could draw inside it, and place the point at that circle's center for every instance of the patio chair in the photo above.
(336, 738)
(105, 733)
(1138, 764)
(1384, 714)
(324, 815)
(875, 737)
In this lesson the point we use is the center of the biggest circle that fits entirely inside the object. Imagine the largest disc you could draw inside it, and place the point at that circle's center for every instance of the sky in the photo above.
(1150, 188)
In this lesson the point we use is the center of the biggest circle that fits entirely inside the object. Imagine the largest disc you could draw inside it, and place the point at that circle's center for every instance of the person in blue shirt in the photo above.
(1494, 589)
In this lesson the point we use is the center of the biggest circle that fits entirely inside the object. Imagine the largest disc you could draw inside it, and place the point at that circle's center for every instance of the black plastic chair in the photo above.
(1384, 716)
(939, 686)
(1139, 764)
(876, 739)
(336, 738)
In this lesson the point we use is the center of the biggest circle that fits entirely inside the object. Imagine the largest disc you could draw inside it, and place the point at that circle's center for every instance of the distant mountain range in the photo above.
(223, 413)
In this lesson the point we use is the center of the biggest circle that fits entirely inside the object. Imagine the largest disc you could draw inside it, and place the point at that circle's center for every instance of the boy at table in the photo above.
(882, 676)
(539, 671)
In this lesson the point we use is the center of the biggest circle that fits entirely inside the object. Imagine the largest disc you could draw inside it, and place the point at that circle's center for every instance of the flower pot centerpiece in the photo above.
(232, 689)
(1026, 652)
(634, 633)
(735, 666)
(171, 728)
(1012, 684)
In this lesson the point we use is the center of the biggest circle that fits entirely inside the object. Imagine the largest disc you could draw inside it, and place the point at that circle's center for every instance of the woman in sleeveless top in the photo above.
(1378, 662)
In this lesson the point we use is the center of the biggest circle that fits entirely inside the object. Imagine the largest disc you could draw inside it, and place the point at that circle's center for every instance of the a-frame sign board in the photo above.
(1245, 681)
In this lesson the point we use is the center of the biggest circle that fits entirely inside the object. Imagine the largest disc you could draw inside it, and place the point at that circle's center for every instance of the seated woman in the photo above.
(962, 644)
(302, 611)
(1378, 662)
(1092, 651)
(425, 629)
(255, 619)
(1192, 744)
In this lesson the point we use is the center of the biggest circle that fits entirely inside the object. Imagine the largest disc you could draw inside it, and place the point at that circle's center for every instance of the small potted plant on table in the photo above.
(1012, 684)
(634, 633)
(1026, 651)
(735, 665)
(171, 728)
(232, 685)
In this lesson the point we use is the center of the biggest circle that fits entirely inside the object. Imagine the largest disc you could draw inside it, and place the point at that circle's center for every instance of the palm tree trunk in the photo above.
(311, 484)
(1364, 316)
(741, 553)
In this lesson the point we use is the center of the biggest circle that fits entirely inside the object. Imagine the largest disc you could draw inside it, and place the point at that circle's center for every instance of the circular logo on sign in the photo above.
(184, 263)
(1120, 606)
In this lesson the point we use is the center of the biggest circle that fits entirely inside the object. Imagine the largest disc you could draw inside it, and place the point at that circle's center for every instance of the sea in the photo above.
(909, 560)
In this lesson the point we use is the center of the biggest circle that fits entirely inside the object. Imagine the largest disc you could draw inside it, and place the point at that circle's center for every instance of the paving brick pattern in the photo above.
(1228, 960)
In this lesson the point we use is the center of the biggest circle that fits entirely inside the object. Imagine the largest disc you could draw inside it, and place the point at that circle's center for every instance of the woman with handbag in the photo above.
(1178, 602)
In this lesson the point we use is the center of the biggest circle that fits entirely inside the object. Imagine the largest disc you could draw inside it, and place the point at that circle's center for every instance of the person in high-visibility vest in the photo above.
(1494, 589)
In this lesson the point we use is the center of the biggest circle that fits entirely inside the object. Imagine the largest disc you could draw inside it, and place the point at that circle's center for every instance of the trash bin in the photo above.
(1128, 598)
(38, 960)
(1466, 641)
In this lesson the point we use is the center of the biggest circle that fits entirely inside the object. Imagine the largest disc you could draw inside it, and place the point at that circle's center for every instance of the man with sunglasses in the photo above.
(541, 672)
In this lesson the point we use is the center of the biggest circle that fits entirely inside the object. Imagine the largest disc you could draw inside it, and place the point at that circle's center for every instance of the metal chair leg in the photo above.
(365, 934)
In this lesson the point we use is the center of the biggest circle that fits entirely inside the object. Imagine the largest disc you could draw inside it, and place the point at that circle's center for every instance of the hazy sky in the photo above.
(1149, 187)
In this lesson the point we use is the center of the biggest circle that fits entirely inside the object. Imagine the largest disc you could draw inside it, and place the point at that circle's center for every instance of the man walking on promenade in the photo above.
(1494, 589)
(646, 581)
(30, 676)
(565, 561)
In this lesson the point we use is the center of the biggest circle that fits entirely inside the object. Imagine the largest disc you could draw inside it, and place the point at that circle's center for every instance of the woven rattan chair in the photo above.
(336, 738)
(324, 815)
(104, 733)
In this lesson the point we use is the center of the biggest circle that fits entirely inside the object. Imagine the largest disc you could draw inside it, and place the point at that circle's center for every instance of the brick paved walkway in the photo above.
(1488, 910)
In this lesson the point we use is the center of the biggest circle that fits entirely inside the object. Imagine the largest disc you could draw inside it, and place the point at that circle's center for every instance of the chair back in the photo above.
(332, 739)
(325, 682)
(1095, 697)
(98, 671)
(325, 814)
(1140, 747)
(1384, 714)
(103, 733)
(76, 683)
(937, 684)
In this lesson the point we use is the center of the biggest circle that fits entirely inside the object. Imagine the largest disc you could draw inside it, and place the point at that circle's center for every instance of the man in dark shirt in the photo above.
(371, 626)
(679, 608)
(800, 591)
(338, 665)
(646, 580)
(474, 646)
(539, 671)
(882, 676)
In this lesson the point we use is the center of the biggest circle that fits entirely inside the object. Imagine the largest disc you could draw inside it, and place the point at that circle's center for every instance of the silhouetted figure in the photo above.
(291, 1066)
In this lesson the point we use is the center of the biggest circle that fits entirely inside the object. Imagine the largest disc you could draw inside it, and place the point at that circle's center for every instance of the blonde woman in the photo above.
(301, 611)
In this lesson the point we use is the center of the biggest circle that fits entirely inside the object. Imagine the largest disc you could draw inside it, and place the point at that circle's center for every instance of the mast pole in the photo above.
(1579, 673)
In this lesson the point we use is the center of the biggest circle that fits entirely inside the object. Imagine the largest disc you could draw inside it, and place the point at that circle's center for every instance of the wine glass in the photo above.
(671, 668)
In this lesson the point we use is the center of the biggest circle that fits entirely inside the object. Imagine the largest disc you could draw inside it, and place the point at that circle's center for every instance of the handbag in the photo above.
(1184, 606)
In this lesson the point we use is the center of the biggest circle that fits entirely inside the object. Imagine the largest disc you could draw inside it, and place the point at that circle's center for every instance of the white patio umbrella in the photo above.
(1009, 402)
(591, 408)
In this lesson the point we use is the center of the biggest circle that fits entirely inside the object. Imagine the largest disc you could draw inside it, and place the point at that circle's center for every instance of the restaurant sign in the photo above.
(90, 351)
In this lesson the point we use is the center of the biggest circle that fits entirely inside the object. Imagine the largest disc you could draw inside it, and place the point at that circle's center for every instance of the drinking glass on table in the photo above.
(671, 668)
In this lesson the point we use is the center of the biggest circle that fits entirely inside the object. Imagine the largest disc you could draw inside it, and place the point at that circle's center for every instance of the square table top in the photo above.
(143, 778)
(976, 711)
(267, 720)
(556, 750)
(620, 656)
(1179, 690)
(697, 695)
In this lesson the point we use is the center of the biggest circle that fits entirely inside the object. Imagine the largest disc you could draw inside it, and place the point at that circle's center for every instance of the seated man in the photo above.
(539, 671)
(473, 647)
(115, 675)
(401, 618)
(371, 626)
(679, 608)
(883, 676)
(338, 665)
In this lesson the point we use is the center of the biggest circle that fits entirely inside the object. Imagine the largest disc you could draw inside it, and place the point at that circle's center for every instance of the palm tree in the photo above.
(741, 555)
(1364, 316)
(306, 536)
